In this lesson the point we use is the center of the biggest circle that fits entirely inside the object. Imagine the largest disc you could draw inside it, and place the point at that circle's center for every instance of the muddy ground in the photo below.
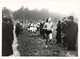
(34, 45)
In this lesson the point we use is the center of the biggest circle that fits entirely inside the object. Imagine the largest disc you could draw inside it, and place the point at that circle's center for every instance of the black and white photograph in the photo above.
(40, 28)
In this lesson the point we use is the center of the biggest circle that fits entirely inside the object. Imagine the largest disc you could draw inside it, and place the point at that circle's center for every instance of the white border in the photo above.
(37, 57)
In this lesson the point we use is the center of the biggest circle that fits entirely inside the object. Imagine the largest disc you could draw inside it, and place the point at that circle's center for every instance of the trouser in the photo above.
(43, 32)
(21, 29)
(58, 37)
(17, 32)
(71, 44)
(65, 41)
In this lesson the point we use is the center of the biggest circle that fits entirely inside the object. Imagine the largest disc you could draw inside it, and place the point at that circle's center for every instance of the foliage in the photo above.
(32, 15)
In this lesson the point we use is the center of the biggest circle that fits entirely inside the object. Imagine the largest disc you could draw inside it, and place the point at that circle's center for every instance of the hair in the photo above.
(47, 20)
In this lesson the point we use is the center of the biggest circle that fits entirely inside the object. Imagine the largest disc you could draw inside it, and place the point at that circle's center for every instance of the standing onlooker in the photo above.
(21, 27)
(64, 31)
(72, 33)
(58, 35)
(17, 31)
(7, 37)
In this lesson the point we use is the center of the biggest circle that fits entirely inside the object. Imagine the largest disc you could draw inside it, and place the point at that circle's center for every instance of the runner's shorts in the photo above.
(48, 31)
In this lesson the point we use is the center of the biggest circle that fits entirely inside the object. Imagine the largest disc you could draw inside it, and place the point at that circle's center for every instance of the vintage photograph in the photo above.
(40, 28)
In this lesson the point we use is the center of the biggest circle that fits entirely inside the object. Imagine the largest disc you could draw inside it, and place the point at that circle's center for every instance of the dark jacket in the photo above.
(72, 33)
(64, 28)
(7, 39)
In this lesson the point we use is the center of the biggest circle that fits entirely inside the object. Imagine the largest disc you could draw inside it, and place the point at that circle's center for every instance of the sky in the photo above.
(59, 6)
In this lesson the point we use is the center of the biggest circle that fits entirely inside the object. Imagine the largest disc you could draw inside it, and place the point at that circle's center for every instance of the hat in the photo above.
(71, 17)
(6, 19)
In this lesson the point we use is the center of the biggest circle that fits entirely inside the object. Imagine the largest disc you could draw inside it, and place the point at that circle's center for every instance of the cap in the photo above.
(71, 17)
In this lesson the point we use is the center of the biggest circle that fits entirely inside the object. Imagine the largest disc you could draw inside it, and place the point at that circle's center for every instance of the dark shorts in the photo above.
(47, 31)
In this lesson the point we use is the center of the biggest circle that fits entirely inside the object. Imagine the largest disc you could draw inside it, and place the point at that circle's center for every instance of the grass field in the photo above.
(35, 46)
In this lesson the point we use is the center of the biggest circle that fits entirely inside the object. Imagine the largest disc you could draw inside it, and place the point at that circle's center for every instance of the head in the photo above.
(70, 18)
(59, 21)
(7, 20)
(49, 19)
(64, 19)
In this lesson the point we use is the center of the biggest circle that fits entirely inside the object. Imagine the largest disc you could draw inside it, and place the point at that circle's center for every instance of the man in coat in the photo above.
(17, 31)
(7, 37)
(64, 31)
(58, 35)
(72, 32)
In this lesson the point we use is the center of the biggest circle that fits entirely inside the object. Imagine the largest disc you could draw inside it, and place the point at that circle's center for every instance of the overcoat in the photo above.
(7, 39)
(58, 34)
(72, 32)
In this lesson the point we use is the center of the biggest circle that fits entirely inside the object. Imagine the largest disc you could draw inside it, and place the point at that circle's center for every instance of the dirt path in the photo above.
(15, 45)
(35, 46)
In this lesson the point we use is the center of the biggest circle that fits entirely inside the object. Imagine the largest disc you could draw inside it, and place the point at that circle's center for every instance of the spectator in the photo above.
(72, 33)
(58, 35)
(64, 31)
(7, 37)
(17, 31)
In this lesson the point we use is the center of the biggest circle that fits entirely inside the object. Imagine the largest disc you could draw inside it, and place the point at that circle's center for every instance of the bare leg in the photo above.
(47, 39)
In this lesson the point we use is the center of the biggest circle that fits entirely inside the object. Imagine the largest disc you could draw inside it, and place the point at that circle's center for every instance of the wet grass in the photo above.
(35, 46)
